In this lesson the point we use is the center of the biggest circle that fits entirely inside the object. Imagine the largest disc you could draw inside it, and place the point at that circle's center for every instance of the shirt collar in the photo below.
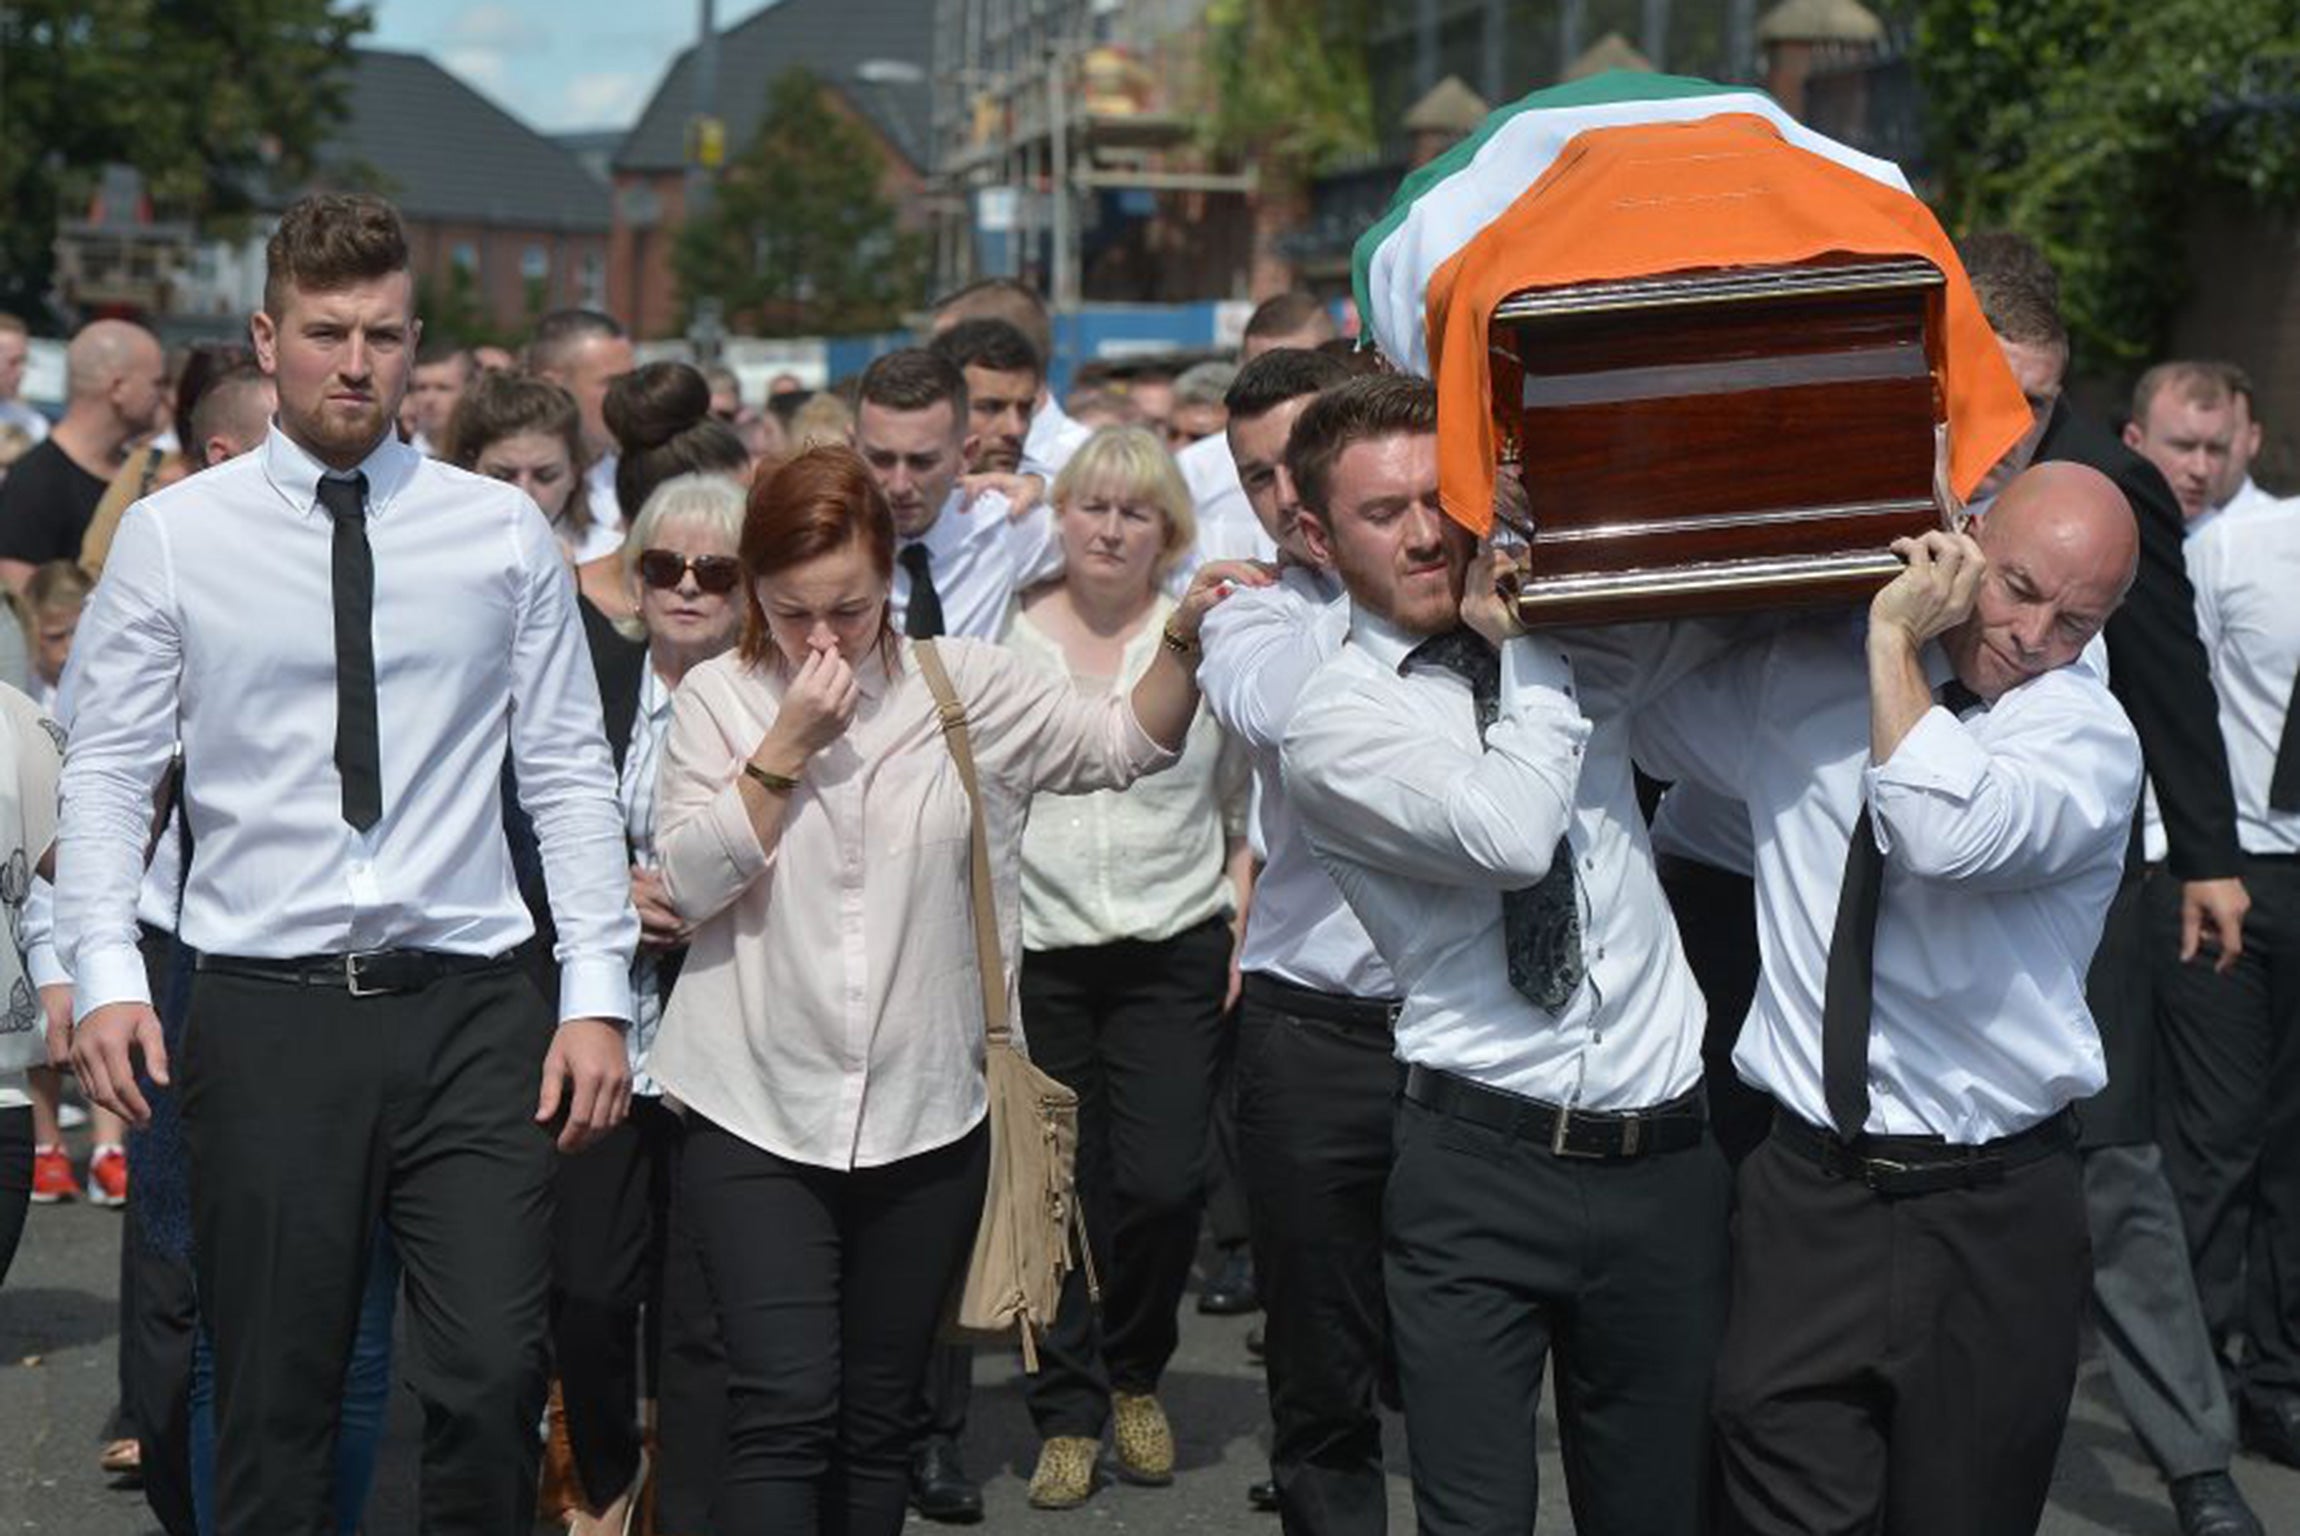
(654, 693)
(1381, 640)
(948, 529)
(296, 475)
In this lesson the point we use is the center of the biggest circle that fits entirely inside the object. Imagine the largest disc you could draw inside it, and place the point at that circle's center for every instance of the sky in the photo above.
(555, 64)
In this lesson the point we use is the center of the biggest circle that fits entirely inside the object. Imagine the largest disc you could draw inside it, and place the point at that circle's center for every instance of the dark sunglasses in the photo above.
(664, 570)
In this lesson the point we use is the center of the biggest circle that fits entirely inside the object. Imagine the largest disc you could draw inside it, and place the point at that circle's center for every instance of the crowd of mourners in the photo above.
(485, 835)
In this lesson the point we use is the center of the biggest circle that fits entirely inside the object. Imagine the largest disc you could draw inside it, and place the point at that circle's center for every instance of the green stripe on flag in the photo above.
(1608, 89)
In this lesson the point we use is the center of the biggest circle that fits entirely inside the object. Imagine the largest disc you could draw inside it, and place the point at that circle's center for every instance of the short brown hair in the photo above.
(2018, 290)
(1283, 315)
(817, 503)
(330, 240)
(1359, 411)
(2199, 383)
(913, 379)
(503, 403)
(13, 325)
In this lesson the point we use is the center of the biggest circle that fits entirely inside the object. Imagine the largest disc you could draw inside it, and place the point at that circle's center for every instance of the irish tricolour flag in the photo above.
(1634, 175)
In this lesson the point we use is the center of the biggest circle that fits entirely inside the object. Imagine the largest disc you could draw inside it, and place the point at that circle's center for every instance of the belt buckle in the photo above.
(351, 976)
(1876, 1170)
(1557, 1133)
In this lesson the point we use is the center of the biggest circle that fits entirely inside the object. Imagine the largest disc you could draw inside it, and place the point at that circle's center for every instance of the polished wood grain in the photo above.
(1668, 436)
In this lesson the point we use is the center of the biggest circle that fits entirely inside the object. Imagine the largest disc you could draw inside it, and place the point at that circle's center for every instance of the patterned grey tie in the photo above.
(1540, 923)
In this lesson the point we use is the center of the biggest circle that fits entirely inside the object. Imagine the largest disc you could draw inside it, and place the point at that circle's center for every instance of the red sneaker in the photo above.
(52, 1176)
(108, 1176)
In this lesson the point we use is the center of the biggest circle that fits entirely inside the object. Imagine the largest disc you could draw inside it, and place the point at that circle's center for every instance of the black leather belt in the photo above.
(1923, 1165)
(368, 973)
(1603, 1134)
(1266, 991)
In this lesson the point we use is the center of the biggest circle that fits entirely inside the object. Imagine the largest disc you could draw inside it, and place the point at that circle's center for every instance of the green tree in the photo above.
(209, 99)
(2094, 130)
(799, 239)
(1287, 82)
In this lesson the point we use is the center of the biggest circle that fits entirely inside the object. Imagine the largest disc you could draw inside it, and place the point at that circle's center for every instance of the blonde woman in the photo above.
(1129, 899)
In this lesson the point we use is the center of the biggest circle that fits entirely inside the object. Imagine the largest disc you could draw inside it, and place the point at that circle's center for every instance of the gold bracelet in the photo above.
(1184, 646)
(776, 783)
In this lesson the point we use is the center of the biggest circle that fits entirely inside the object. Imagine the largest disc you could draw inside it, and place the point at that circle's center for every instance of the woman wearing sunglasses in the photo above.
(610, 1228)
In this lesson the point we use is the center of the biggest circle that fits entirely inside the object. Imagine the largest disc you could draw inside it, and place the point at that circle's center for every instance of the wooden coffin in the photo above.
(1718, 441)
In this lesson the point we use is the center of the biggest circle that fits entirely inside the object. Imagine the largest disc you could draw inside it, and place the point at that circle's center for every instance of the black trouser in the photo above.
(609, 1230)
(2230, 1122)
(15, 1181)
(1500, 1254)
(1716, 914)
(1135, 1029)
(830, 1285)
(691, 1394)
(1904, 1359)
(308, 1113)
(158, 1329)
(1317, 1091)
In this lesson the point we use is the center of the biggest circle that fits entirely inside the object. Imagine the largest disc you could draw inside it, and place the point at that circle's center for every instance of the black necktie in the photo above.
(922, 618)
(2284, 783)
(1848, 994)
(357, 756)
(1540, 923)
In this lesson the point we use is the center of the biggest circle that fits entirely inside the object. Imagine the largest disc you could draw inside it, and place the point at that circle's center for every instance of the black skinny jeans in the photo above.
(830, 1284)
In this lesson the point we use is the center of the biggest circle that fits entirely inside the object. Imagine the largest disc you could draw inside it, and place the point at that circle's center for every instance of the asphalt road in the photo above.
(57, 1327)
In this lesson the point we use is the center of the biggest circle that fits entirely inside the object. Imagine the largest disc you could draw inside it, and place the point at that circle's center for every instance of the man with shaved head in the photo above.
(1939, 806)
(118, 384)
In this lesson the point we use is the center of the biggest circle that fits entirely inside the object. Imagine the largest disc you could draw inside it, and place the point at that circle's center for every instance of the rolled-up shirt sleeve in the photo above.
(1376, 788)
(127, 659)
(2050, 788)
(704, 840)
(567, 785)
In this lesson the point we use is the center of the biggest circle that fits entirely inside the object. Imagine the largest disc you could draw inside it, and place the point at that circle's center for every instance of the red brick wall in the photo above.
(499, 257)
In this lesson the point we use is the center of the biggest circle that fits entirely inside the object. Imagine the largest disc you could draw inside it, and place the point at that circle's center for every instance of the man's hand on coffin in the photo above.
(1934, 593)
(1484, 608)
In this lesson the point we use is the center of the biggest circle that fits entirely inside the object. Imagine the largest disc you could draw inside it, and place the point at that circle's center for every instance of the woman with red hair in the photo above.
(826, 1034)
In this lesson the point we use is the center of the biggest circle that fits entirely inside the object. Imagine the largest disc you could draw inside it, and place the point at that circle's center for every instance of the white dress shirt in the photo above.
(1694, 822)
(1260, 647)
(599, 496)
(214, 624)
(1051, 441)
(636, 791)
(980, 555)
(830, 1010)
(2004, 836)
(2245, 566)
(1145, 862)
(1424, 828)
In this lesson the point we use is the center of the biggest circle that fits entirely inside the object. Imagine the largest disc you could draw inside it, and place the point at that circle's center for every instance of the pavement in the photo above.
(58, 1325)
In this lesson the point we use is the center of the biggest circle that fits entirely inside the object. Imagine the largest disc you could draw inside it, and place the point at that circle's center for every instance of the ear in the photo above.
(1316, 538)
(263, 331)
(2132, 436)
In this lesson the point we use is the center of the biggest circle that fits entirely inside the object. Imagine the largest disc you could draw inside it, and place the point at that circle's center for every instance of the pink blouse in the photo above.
(829, 1010)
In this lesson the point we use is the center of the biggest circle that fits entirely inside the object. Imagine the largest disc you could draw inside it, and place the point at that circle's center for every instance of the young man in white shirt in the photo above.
(959, 560)
(1315, 1079)
(1553, 1189)
(348, 639)
(1939, 827)
(2232, 1145)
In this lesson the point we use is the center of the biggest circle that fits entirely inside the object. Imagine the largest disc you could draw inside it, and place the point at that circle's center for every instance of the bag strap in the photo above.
(989, 958)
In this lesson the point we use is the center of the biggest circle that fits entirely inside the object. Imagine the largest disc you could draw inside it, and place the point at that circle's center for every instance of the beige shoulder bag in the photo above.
(1022, 1248)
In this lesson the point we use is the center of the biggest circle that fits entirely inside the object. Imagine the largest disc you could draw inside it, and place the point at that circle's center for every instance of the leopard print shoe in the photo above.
(1143, 1439)
(1065, 1475)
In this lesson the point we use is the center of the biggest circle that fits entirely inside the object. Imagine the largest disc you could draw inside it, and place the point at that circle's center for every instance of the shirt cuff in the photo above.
(113, 973)
(45, 967)
(730, 818)
(1529, 663)
(594, 987)
(1937, 754)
